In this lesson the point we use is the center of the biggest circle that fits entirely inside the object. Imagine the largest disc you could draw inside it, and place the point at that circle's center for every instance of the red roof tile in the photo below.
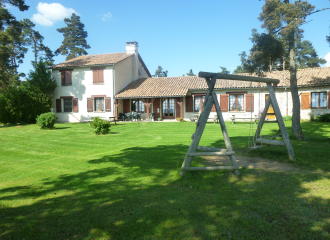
(93, 60)
(179, 86)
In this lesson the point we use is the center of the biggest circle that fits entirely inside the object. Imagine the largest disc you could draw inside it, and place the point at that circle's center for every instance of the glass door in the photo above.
(168, 105)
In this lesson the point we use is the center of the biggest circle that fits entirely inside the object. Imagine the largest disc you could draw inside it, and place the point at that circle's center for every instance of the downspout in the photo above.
(113, 91)
(287, 97)
(287, 101)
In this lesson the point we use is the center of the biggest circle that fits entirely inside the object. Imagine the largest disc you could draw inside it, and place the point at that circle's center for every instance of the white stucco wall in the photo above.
(284, 101)
(82, 88)
(123, 74)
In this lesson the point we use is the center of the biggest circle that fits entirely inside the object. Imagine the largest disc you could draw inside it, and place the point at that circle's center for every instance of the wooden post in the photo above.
(117, 103)
(210, 99)
(263, 116)
(198, 133)
(280, 122)
(225, 133)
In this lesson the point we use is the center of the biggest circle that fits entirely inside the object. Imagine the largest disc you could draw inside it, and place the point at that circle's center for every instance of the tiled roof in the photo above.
(93, 60)
(179, 86)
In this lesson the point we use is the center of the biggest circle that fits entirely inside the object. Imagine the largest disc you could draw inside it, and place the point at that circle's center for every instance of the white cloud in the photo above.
(327, 57)
(107, 16)
(50, 13)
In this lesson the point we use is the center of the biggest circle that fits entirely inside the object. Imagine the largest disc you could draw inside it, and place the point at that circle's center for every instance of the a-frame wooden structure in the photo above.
(211, 99)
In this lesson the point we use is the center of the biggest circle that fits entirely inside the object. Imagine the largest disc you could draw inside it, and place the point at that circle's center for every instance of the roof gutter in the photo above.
(150, 97)
(110, 64)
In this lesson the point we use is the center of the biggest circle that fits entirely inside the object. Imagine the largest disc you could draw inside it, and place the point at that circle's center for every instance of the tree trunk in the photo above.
(35, 53)
(296, 128)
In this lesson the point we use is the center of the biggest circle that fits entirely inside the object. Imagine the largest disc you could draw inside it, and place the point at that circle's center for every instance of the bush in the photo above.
(100, 126)
(159, 119)
(323, 118)
(287, 118)
(312, 117)
(46, 120)
(180, 119)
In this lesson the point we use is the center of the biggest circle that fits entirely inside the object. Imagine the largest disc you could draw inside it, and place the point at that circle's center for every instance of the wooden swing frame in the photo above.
(210, 99)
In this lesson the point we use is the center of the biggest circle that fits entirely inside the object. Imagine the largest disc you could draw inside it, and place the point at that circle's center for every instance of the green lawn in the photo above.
(69, 183)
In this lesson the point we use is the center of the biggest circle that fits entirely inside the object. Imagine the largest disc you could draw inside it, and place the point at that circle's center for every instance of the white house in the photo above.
(182, 97)
(87, 84)
(106, 85)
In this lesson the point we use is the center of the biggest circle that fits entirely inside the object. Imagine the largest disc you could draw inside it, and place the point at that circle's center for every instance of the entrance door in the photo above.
(168, 105)
(270, 113)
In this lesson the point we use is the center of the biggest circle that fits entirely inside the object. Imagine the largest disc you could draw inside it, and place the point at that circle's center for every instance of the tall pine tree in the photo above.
(34, 39)
(74, 43)
(10, 43)
(284, 17)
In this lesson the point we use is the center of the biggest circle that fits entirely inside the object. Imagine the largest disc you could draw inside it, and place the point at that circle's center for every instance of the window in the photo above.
(67, 104)
(98, 75)
(236, 102)
(66, 77)
(99, 103)
(138, 105)
(319, 100)
(198, 101)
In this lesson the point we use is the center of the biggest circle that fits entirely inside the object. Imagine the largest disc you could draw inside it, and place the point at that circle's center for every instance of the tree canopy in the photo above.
(35, 96)
(190, 73)
(34, 39)
(160, 73)
(11, 48)
(74, 43)
(224, 70)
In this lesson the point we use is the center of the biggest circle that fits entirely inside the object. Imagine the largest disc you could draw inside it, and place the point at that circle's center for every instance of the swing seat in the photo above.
(270, 142)
(254, 147)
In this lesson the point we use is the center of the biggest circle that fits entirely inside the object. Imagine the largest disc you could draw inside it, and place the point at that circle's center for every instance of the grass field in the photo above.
(69, 183)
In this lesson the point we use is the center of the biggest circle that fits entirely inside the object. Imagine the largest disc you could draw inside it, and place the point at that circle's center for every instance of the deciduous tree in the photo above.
(30, 99)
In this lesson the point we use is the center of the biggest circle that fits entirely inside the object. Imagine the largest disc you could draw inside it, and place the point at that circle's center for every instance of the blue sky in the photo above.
(177, 35)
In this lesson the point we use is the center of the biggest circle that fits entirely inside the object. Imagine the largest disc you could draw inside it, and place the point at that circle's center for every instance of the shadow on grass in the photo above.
(137, 194)
(60, 128)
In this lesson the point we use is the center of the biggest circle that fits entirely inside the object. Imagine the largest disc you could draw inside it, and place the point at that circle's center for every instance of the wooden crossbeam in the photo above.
(210, 154)
(210, 168)
(237, 77)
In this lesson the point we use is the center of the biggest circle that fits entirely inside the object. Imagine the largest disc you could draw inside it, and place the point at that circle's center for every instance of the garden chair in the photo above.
(122, 116)
(128, 116)
(134, 116)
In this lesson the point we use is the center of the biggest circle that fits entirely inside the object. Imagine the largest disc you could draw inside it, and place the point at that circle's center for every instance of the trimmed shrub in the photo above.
(287, 118)
(100, 126)
(323, 118)
(180, 119)
(46, 120)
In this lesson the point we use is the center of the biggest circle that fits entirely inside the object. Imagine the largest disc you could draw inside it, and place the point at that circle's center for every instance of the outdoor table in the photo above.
(114, 119)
